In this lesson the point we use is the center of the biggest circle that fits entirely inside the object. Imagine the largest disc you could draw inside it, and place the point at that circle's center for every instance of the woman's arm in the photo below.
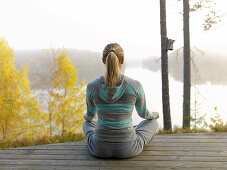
(140, 105)
(91, 109)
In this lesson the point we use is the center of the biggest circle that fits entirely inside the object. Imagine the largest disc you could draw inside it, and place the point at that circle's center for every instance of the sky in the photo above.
(89, 24)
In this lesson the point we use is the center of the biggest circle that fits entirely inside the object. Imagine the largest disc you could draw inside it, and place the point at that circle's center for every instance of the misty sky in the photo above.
(91, 24)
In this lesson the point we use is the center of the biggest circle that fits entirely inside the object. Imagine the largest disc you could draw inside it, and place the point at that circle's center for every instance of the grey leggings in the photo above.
(145, 131)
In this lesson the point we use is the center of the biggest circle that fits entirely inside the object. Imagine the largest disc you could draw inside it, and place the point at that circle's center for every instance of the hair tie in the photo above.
(112, 50)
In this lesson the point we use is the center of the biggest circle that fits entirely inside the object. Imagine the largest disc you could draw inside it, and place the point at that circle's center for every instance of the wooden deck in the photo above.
(184, 151)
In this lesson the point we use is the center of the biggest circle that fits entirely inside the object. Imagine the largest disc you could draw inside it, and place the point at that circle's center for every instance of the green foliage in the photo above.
(178, 130)
(212, 17)
(199, 121)
(162, 131)
(217, 123)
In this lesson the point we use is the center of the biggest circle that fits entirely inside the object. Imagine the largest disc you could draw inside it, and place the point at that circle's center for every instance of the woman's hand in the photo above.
(155, 115)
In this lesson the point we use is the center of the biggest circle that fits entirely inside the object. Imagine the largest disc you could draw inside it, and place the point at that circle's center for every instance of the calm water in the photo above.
(209, 96)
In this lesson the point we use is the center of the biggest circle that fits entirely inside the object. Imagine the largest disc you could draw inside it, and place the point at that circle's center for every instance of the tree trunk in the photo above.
(50, 117)
(187, 67)
(164, 64)
(63, 128)
(3, 133)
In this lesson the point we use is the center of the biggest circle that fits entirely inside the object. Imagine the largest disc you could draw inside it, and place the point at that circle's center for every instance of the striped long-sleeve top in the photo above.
(114, 107)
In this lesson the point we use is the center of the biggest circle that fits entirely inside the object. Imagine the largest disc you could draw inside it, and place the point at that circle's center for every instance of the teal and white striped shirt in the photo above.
(114, 106)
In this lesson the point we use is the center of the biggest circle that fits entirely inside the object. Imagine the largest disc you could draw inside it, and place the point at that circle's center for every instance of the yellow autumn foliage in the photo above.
(67, 102)
(20, 114)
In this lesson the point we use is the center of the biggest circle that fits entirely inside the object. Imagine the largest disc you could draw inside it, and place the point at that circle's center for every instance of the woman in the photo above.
(113, 97)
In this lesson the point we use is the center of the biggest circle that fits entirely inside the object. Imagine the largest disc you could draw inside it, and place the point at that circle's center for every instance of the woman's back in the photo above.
(113, 98)
(114, 106)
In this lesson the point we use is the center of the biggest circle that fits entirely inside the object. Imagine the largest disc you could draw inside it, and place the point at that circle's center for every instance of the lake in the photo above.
(209, 96)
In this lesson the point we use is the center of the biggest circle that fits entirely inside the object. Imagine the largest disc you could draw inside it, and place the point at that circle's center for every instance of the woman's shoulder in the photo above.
(133, 82)
(92, 85)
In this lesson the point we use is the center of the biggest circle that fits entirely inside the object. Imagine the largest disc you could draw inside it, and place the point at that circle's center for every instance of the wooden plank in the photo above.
(179, 158)
(190, 137)
(50, 162)
(140, 157)
(42, 151)
(66, 167)
(197, 134)
(186, 153)
(47, 167)
(156, 153)
(54, 147)
(86, 152)
(183, 140)
(179, 142)
(184, 144)
(22, 167)
(154, 168)
(171, 164)
(117, 163)
(149, 147)
(153, 141)
(169, 138)
(199, 144)
(80, 168)
(190, 148)
(49, 157)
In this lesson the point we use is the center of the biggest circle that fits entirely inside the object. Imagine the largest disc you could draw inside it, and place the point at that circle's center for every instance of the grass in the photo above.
(69, 137)
(177, 130)
(215, 127)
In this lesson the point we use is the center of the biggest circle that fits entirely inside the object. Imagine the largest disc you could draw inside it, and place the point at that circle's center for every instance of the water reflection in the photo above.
(208, 97)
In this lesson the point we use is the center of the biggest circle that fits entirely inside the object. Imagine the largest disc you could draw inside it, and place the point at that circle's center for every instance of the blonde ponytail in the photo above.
(112, 56)
(113, 72)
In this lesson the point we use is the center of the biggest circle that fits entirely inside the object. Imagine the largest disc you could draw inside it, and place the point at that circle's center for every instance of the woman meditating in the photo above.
(113, 98)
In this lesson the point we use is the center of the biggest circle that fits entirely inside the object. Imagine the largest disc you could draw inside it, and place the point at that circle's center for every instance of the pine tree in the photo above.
(164, 65)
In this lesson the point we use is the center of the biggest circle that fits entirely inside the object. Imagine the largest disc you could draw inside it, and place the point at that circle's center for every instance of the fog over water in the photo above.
(209, 96)
(207, 66)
